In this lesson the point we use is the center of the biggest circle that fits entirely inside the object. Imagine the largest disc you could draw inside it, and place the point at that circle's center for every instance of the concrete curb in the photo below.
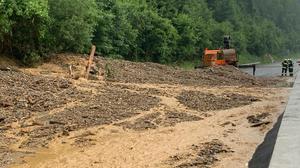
(286, 153)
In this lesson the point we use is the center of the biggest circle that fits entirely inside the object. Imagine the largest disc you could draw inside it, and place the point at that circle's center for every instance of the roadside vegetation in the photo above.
(169, 31)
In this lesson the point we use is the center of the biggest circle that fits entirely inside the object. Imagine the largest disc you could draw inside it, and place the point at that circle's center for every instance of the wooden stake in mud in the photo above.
(71, 71)
(90, 62)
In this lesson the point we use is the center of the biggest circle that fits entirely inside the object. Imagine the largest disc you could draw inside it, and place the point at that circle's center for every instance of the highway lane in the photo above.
(269, 70)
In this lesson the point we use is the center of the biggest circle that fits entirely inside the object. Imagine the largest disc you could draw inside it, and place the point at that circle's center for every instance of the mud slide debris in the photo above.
(204, 155)
(40, 105)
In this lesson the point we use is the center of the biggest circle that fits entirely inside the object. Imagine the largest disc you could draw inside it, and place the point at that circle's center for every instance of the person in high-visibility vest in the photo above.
(284, 67)
(291, 67)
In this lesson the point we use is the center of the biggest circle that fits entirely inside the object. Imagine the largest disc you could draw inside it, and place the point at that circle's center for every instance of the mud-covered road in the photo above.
(141, 115)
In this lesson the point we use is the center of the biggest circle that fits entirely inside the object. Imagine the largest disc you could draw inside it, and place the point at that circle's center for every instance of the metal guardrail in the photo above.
(251, 65)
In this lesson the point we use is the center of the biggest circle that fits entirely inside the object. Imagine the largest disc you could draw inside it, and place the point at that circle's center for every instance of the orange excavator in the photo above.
(220, 57)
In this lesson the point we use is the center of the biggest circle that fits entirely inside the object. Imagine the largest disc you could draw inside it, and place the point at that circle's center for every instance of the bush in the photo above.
(31, 59)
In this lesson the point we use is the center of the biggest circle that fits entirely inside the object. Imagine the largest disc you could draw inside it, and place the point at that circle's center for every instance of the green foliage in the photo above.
(23, 26)
(31, 59)
(115, 35)
(187, 32)
(157, 37)
(72, 24)
(168, 31)
(132, 30)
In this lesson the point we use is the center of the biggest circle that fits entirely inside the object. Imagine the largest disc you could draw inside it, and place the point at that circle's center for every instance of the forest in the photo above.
(162, 31)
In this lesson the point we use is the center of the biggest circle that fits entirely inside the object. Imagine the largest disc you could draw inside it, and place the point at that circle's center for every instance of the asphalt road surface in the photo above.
(269, 70)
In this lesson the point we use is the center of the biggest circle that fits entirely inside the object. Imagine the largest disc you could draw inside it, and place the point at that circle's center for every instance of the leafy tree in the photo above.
(23, 27)
(147, 30)
(73, 24)
(187, 37)
(115, 35)
(157, 37)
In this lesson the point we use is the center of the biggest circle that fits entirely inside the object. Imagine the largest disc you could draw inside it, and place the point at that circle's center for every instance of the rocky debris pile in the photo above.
(134, 72)
(172, 118)
(143, 123)
(253, 119)
(28, 97)
(154, 120)
(23, 95)
(102, 109)
(209, 102)
(258, 119)
(204, 155)
(85, 139)
(112, 105)
(146, 90)
(131, 72)
(39, 105)
(10, 157)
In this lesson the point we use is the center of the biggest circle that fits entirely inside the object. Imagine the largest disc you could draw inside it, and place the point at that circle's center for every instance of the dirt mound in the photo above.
(209, 102)
(204, 155)
(133, 72)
